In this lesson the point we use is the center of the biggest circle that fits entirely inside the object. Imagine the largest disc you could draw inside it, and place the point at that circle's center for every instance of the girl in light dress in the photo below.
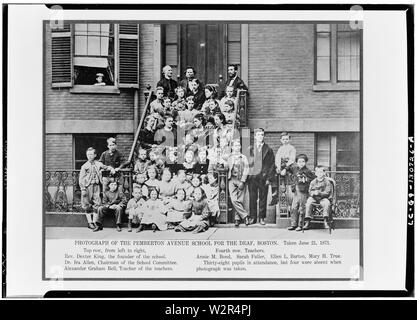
(154, 213)
(152, 182)
(180, 104)
(178, 209)
(166, 186)
(199, 220)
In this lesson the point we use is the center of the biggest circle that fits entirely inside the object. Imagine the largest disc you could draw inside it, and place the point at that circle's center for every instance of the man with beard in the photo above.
(167, 82)
(261, 171)
(233, 79)
(189, 76)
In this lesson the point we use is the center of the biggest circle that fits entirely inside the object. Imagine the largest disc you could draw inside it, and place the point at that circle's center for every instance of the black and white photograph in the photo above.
(209, 131)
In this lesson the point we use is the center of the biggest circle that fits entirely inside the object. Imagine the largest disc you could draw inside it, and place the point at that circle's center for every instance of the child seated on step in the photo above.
(178, 209)
(152, 182)
(142, 163)
(139, 182)
(195, 183)
(169, 110)
(185, 118)
(229, 112)
(228, 97)
(180, 104)
(183, 183)
(134, 208)
(114, 202)
(154, 213)
(199, 219)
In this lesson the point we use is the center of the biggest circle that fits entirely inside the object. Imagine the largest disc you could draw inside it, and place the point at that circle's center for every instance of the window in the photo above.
(323, 52)
(171, 48)
(233, 44)
(337, 56)
(338, 151)
(83, 142)
(80, 52)
(347, 53)
(94, 54)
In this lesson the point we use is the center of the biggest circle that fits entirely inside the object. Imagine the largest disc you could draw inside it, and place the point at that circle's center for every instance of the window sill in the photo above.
(94, 89)
(351, 86)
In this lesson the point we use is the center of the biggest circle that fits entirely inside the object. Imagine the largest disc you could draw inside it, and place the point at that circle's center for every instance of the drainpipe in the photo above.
(135, 110)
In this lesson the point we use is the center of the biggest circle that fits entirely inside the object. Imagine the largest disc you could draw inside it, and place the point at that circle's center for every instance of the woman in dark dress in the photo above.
(146, 135)
(198, 93)
(211, 104)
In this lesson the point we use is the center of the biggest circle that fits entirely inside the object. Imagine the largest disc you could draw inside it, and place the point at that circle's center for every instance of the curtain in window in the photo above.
(92, 45)
(323, 52)
(348, 53)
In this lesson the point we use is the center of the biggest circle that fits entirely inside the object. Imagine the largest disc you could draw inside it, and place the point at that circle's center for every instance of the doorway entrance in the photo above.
(208, 47)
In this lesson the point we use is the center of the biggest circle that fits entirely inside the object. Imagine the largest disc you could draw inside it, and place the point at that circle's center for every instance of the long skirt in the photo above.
(193, 222)
(175, 216)
(158, 218)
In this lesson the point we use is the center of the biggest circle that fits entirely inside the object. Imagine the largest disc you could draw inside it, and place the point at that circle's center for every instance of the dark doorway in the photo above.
(202, 46)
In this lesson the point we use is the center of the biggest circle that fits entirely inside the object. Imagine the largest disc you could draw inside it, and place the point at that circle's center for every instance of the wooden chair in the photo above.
(317, 210)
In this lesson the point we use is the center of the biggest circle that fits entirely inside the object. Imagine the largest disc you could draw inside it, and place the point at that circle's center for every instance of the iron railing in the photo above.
(347, 195)
(62, 192)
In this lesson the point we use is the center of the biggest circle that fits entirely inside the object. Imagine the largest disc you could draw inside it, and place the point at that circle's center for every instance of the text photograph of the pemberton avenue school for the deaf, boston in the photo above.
(303, 78)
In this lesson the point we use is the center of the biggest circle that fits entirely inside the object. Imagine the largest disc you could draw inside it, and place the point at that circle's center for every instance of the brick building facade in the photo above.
(302, 77)
(278, 62)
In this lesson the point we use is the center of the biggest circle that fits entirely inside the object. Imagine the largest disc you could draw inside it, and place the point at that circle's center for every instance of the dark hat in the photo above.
(302, 156)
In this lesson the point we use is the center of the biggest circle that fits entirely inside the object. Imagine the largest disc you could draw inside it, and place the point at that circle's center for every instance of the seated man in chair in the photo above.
(320, 192)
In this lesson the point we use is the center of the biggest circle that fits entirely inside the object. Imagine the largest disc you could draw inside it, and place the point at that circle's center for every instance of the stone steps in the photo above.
(73, 219)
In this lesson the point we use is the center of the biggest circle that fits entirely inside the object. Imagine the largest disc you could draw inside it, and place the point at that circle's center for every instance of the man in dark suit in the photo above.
(189, 76)
(233, 79)
(167, 82)
(261, 170)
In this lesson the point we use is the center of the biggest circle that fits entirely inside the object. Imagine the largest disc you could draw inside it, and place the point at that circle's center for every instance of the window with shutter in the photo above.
(233, 44)
(93, 54)
(61, 57)
(129, 55)
(95, 57)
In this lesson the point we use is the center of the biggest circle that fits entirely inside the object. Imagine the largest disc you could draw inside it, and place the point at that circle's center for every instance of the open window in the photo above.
(95, 57)
(94, 54)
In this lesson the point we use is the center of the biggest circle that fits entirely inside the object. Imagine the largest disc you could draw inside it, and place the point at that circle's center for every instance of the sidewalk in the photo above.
(215, 233)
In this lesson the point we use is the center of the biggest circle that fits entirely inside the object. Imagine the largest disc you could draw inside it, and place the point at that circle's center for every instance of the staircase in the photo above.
(226, 215)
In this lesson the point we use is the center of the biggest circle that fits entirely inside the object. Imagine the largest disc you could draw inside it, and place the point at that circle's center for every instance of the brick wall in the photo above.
(61, 104)
(146, 76)
(58, 151)
(124, 143)
(281, 76)
(304, 142)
